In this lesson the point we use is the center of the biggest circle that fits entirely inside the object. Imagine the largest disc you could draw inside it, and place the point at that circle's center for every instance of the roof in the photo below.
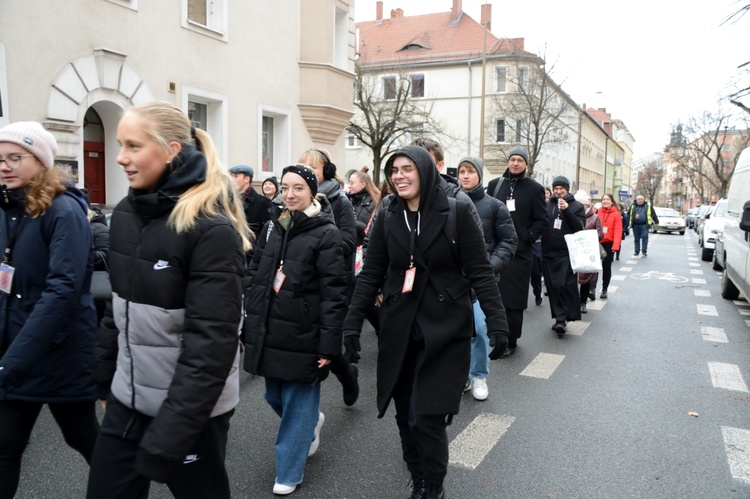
(403, 40)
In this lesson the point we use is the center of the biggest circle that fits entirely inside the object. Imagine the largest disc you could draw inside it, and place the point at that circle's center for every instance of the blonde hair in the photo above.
(43, 188)
(315, 156)
(166, 123)
(370, 187)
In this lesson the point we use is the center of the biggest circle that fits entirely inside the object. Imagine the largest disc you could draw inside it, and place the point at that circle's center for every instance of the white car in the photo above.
(669, 221)
(712, 225)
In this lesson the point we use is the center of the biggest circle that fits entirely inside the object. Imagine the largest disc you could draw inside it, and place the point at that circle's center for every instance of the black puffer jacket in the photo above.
(363, 205)
(499, 233)
(285, 333)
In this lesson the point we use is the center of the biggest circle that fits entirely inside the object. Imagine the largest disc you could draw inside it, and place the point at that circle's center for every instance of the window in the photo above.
(205, 16)
(389, 87)
(521, 79)
(500, 130)
(726, 148)
(266, 142)
(273, 147)
(198, 114)
(341, 39)
(207, 111)
(352, 142)
(501, 78)
(417, 85)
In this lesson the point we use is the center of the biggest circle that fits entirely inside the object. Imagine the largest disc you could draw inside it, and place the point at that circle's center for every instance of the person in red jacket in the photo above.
(612, 228)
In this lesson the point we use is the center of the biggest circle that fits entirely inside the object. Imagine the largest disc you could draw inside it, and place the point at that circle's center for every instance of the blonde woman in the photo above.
(177, 245)
(47, 315)
(364, 195)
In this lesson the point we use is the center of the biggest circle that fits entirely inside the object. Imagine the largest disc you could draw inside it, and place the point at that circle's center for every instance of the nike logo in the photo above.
(161, 264)
(190, 458)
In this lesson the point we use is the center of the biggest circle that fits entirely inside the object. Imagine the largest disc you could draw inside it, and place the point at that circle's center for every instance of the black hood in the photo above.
(429, 178)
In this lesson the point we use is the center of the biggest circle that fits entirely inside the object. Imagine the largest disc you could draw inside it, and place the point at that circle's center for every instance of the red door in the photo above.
(93, 171)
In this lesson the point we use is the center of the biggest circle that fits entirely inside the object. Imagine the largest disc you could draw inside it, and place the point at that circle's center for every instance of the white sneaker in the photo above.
(316, 441)
(479, 389)
(283, 490)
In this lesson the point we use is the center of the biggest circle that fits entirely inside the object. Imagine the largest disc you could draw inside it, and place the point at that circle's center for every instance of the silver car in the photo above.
(669, 221)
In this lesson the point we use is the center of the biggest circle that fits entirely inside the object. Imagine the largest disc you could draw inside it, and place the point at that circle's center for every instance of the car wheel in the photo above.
(682, 232)
(714, 262)
(728, 290)
(706, 254)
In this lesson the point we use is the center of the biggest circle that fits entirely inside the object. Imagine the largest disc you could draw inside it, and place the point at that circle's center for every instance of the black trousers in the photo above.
(76, 420)
(515, 326)
(536, 269)
(113, 474)
(424, 440)
(607, 265)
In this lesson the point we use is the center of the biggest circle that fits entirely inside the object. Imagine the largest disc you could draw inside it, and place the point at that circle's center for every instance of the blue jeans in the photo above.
(297, 404)
(640, 232)
(480, 346)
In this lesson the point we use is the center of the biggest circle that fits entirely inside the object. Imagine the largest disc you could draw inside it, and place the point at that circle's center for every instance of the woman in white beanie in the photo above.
(47, 314)
(588, 281)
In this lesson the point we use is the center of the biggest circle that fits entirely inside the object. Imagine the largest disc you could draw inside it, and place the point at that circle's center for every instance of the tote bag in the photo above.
(583, 249)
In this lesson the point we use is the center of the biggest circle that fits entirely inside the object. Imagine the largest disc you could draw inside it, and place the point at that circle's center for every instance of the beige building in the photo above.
(266, 80)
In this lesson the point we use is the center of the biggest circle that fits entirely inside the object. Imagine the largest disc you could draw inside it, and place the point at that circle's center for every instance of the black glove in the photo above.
(499, 342)
(352, 348)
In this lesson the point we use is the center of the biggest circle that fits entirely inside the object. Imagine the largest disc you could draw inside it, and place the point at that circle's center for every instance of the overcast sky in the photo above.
(651, 63)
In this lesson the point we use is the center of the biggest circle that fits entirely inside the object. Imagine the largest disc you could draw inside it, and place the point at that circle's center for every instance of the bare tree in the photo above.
(388, 114)
(649, 180)
(742, 83)
(711, 151)
(534, 111)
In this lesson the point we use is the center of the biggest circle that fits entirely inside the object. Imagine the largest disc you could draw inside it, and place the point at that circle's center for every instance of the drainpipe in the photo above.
(468, 124)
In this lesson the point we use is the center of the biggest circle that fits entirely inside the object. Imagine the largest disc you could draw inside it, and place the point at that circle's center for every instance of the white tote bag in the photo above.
(583, 248)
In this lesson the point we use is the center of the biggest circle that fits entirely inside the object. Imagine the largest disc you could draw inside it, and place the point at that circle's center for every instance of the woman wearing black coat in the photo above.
(364, 195)
(295, 305)
(424, 345)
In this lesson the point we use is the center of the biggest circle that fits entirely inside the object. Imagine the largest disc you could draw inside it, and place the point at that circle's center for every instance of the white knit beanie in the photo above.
(582, 197)
(34, 138)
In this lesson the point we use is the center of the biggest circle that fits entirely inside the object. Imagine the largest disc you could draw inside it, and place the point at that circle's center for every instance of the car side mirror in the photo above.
(745, 218)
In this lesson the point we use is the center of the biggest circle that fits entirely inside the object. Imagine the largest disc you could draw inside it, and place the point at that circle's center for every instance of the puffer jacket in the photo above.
(177, 306)
(286, 332)
(497, 225)
(363, 206)
(48, 321)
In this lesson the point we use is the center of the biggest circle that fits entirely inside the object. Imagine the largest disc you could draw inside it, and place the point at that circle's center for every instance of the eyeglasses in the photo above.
(14, 161)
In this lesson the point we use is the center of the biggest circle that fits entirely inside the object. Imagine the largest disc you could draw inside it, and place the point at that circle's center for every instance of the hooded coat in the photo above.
(530, 222)
(439, 308)
(48, 321)
(286, 332)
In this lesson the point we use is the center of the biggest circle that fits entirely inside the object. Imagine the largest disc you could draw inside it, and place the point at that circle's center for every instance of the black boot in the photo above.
(433, 490)
(350, 384)
(604, 294)
(583, 307)
(417, 486)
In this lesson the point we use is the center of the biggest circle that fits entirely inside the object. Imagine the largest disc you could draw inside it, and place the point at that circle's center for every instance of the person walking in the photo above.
(47, 314)
(426, 276)
(536, 261)
(501, 242)
(270, 188)
(640, 218)
(524, 198)
(176, 261)
(566, 216)
(611, 238)
(256, 206)
(296, 303)
(364, 196)
(588, 280)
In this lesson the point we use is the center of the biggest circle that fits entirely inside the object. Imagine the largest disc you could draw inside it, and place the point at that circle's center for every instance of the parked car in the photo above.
(669, 221)
(701, 216)
(712, 224)
(735, 245)
(690, 217)
(717, 261)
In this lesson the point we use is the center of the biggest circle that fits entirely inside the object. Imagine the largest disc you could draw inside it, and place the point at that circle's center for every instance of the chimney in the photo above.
(379, 11)
(487, 16)
(397, 13)
(457, 10)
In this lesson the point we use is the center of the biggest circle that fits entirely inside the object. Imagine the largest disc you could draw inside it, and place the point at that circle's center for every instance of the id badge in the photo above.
(604, 229)
(278, 280)
(6, 277)
(511, 204)
(558, 223)
(409, 280)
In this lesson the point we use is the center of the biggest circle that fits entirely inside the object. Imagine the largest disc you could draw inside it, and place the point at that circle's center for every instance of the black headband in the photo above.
(306, 173)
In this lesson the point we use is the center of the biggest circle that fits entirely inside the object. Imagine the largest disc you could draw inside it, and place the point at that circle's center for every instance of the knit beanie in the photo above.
(561, 181)
(519, 151)
(582, 197)
(306, 173)
(273, 181)
(477, 163)
(34, 138)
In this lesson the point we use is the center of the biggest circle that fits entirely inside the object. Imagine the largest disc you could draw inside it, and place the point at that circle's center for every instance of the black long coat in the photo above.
(439, 306)
(530, 222)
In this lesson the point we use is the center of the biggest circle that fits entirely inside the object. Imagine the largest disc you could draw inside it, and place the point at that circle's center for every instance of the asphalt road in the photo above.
(645, 398)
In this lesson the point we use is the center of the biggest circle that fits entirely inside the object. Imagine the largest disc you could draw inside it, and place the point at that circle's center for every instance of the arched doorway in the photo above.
(93, 157)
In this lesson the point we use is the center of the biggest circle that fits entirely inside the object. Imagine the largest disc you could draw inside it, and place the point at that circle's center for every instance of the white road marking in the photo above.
(693, 258)
(632, 262)
(741, 303)
(701, 292)
(744, 311)
(747, 323)
(715, 334)
(596, 305)
(737, 447)
(727, 376)
(576, 328)
(625, 269)
(698, 280)
(696, 272)
(543, 365)
(707, 310)
(619, 277)
(611, 289)
(472, 445)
